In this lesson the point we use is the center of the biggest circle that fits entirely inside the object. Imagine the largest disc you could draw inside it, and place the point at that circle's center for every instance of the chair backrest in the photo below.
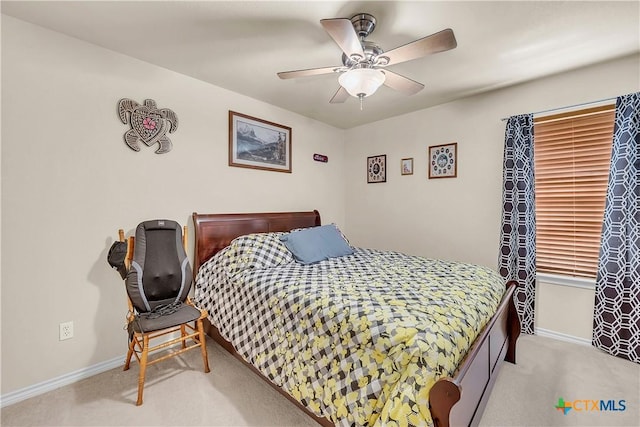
(160, 272)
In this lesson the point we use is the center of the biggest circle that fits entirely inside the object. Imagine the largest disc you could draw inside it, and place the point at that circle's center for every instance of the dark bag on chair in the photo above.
(115, 257)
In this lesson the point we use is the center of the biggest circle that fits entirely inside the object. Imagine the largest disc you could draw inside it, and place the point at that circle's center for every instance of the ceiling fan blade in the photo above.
(342, 32)
(401, 83)
(438, 42)
(340, 96)
(307, 72)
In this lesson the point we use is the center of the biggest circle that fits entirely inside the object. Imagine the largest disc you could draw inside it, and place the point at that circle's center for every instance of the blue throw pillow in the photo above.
(316, 244)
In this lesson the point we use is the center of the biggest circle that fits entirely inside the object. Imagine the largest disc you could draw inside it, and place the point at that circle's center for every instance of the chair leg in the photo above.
(143, 367)
(183, 332)
(132, 343)
(203, 345)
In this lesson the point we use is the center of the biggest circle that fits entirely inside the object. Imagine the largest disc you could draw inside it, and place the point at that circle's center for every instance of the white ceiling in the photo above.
(240, 45)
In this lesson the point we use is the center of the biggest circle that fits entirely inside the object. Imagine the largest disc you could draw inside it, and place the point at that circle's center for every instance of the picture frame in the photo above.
(443, 160)
(406, 166)
(377, 169)
(258, 144)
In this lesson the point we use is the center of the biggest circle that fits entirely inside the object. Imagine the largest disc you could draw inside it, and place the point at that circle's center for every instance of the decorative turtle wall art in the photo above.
(148, 124)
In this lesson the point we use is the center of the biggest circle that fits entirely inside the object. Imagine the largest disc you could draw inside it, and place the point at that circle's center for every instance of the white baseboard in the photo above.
(54, 383)
(562, 337)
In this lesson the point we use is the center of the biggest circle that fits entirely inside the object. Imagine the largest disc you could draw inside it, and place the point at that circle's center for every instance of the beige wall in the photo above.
(460, 218)
(69, 182)
(565, 311)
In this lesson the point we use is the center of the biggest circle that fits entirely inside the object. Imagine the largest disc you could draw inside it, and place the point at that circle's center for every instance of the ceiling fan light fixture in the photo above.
(361, 82)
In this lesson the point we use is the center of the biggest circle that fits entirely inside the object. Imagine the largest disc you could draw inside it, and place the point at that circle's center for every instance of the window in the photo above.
(572, 154)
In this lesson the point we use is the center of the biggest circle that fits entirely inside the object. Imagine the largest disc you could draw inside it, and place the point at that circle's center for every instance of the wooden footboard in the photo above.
(457, 401)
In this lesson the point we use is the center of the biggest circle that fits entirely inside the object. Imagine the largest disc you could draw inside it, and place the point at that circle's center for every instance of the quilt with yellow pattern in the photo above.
(358, 339)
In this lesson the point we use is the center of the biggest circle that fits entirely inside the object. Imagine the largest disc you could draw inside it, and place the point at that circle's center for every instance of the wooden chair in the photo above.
(143, 330)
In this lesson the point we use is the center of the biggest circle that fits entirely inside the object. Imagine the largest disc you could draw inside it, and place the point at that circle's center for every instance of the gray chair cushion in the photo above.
(185, 314)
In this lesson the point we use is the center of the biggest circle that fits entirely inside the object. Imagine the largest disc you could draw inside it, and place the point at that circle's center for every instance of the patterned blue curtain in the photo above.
(518, 234)
(616, 323)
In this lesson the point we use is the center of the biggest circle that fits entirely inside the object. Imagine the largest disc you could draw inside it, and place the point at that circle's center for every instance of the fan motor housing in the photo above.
(364, 24)
(371, 52)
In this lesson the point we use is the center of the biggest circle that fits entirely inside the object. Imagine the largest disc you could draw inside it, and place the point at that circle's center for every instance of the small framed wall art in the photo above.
(258, 144)
(406, 166)
(443, 161)
(377, 169)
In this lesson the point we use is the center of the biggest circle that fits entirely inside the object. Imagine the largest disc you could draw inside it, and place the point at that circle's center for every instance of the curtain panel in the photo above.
(517, 259)
(616, 324)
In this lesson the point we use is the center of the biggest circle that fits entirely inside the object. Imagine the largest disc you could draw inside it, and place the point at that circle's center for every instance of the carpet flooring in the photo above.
(179, 393)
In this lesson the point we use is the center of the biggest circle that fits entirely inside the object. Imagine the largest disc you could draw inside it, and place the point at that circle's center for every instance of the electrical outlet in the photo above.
(66, 330)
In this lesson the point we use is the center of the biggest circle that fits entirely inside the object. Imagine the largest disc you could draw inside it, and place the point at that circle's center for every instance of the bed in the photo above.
(455, 396)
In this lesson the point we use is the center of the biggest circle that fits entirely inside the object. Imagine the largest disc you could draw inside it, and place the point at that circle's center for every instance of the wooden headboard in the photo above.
(214, 232)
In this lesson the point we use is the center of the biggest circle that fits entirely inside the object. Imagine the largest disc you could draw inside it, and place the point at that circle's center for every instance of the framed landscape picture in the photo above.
(443, 162)
(258, 144)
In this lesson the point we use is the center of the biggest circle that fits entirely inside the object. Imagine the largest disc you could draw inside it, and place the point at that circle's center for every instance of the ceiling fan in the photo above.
(364, 63)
